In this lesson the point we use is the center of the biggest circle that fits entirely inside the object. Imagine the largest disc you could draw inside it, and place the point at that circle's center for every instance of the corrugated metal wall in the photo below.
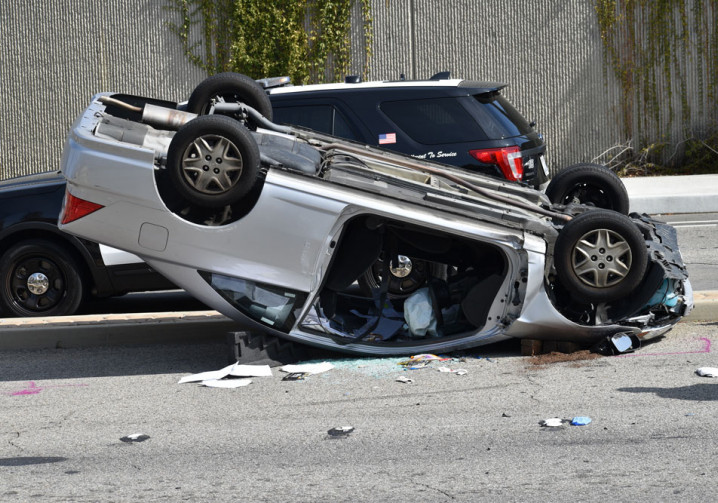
(549, 53)
(55, 54)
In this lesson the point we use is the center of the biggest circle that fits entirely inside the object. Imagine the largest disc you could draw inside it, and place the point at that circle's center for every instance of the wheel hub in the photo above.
(212, 164)
(38, 283)
(403, 268)
(602, 258)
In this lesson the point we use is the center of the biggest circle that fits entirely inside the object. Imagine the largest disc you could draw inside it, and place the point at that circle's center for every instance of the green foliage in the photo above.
(309, 40)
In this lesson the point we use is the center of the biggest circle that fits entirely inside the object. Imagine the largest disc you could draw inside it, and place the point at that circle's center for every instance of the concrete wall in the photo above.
(549, 53)
(55, 54)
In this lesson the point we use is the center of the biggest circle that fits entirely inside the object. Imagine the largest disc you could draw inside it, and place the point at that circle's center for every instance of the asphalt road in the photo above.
(446, 437)
(698, 241)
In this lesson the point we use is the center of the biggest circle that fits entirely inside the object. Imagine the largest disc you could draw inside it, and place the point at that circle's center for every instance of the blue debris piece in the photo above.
(580, 421)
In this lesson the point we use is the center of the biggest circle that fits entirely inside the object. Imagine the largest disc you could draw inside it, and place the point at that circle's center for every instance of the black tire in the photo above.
(590, 184)
(39, 278)
(231, 88)
(404, 280)
(213, 161)
(600, 256)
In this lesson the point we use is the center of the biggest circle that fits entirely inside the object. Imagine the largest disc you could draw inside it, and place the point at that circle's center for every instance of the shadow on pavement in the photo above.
(195, 357)
(699, 392)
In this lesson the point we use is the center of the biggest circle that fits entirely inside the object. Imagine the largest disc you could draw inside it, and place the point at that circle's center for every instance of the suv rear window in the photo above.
(435, 121)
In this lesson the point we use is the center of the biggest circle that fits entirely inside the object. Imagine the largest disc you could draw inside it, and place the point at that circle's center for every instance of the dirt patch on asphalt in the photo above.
(556, 357)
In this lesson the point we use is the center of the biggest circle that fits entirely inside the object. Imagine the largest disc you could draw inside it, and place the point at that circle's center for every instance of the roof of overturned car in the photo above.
(339, 245)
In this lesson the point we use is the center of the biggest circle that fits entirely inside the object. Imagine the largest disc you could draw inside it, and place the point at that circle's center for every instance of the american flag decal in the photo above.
(387, 138)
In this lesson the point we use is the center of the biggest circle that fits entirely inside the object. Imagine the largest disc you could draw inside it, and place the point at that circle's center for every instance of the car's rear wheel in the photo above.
(229, 87)
(39, 278)
(600, 256)
(213, 161)
(405, 277)
(590, 184)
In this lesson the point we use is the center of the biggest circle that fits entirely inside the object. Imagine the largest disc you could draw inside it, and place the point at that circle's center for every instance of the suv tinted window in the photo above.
(456, 120)
(434, 121)
(499, 118)
(322, 118)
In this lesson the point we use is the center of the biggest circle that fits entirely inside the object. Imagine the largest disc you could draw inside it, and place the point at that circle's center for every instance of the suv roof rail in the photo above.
(271, 82)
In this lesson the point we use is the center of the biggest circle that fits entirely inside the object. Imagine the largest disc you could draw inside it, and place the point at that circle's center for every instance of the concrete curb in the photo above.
(165, 328)
(673, 194)
(706, 306)
(113, 330)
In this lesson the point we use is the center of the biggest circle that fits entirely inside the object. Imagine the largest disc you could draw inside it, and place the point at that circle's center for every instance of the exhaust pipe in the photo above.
(165, 118)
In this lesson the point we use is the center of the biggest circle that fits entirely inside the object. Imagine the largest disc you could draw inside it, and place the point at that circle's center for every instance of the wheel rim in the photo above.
(37, 285)
(601, 258)
(212, 164)
(402, 269)
(405, 277)
(584, 193)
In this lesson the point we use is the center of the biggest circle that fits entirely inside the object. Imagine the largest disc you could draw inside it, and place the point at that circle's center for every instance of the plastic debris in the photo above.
(207, 376)
(226, 383)
(557, 422)
(307, 368)
(405, 380)
(250, 370)
(235, 370)
(340, 431)
(458, 372)
(419, 361)
(135, 437)
(707, 371)
(553, 422)
(295, 376)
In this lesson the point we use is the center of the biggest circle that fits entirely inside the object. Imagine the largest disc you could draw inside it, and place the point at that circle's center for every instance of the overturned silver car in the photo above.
(341, 246)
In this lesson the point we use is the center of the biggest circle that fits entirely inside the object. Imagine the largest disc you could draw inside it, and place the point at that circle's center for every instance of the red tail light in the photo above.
(77, 208)
(508, 159)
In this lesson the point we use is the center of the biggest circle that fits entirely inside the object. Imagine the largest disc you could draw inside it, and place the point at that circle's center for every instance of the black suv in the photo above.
(46, 272)
(459, 122)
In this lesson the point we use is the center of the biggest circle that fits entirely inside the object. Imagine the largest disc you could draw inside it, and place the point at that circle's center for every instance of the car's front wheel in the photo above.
(213, 161)
(590, 184)
(600, 256)
(229, 87)
(39, 278)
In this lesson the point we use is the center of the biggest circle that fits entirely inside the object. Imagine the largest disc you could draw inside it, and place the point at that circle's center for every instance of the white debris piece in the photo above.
(458, 372)
(226, 383)
(250, 370)
(307, 368)
(552, 422)
(235, 370)
(208, 376)
(707, 371)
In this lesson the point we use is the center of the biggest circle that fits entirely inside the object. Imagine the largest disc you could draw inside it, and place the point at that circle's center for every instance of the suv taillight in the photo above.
(75, 208)
(508, 159)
